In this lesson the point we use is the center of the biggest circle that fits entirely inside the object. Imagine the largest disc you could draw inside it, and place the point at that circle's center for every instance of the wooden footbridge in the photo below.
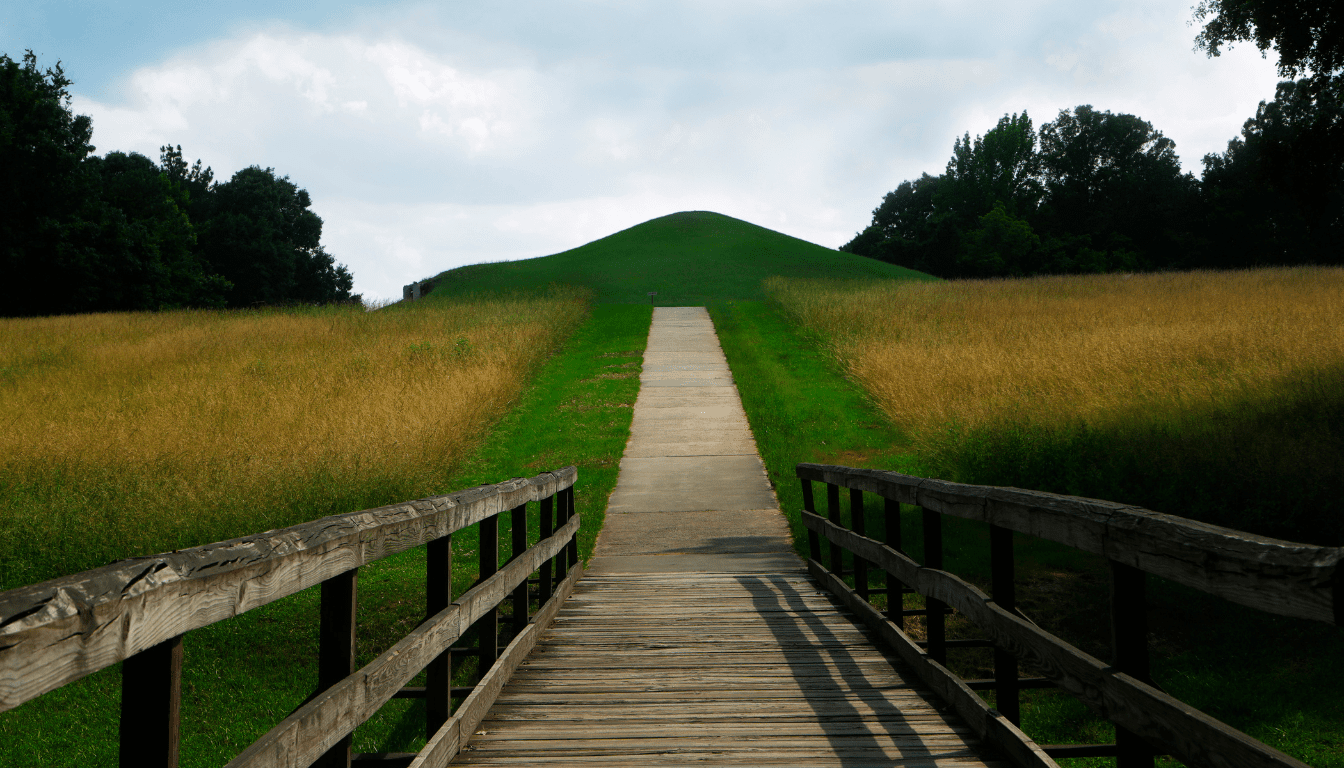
(688, 639)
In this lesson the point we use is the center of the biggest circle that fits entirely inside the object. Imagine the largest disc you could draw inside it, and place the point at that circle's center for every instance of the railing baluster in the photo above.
(813, 540)
(336, 648)
(545, 584)
(859, 525)
(487, 627)
(561, 517)
(934, 621)
(833, 514)
(518, 529)
(438, 596)
(891, 511)
(1129, 643)
(151, 698)
(1001, 567)
(569, 512)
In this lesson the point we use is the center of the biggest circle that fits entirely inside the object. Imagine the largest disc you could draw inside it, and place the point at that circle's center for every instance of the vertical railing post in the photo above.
(518, 531)
(933, 558)
(438, 596)
(891, 511)
(573, 547)
(336, 649)
(151, 699)
(859, 524)
(1001, 567)
(487, 627)
(561, 517)
(1129, 643)
(813, 540)
(833, 514)
(545, 573)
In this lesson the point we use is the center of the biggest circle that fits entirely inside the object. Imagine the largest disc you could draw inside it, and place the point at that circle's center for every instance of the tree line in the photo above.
(1092, 191)
(84, 233)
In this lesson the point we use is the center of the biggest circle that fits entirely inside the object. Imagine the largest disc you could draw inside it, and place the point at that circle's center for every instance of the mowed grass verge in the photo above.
(244, 675)
(690, 259)
(1273, 678)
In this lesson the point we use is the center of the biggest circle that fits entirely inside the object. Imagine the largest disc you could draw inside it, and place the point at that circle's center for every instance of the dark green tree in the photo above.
(46, 190)
(998, 168)
(1276, 196)
(146, 241)
(1113, 184)
(1307, 34)
(262, 237)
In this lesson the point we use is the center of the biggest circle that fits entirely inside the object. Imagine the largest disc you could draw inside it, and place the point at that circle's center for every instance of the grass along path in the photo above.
(1272, 678)
(244, 675)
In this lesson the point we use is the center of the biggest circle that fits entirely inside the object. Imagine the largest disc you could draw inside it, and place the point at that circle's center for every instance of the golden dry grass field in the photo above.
(129, 434)
(1187, 392)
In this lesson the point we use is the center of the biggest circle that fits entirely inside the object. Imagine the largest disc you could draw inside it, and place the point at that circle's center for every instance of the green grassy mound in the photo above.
(692, 258)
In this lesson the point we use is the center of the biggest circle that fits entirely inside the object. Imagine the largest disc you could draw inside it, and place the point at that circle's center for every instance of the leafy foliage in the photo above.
(1308, 34)
(1277, 194)
(85, 233)
(1100, 190)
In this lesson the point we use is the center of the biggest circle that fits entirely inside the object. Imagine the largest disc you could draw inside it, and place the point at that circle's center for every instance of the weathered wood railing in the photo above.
(136, 611)
(1276, 576)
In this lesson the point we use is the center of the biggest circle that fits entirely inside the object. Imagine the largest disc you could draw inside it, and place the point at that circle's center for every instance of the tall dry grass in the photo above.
(129, 434)
(1215, 394)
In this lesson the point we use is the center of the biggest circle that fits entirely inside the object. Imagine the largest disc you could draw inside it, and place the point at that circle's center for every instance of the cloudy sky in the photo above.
(432, 135)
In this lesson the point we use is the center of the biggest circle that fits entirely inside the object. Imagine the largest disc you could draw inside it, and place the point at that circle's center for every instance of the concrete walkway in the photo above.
(692, 494)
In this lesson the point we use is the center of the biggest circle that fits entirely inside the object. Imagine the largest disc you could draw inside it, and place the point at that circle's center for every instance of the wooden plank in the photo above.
(1272, 575)
(60, 630)
(1167, 723)
(317, 726)
(460, 728)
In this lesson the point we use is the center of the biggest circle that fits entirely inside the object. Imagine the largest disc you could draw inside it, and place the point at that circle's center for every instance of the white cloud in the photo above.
(430, 139)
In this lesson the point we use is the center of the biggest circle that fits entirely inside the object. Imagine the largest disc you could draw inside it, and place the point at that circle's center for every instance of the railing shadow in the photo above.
(850, 700)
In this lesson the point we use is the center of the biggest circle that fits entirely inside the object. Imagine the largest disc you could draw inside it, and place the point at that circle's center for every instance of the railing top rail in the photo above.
(60, 630)
(1272, 575)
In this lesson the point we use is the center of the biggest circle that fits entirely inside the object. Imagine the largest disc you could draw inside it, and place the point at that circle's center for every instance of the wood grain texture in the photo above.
(1167, 723)
(714, 670)
(334, 714)
(58, 631)
(459, 730)
(1272, 575)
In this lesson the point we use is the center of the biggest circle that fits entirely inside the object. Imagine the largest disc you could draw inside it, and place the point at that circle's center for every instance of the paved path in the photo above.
(696, 638)
(692, 494)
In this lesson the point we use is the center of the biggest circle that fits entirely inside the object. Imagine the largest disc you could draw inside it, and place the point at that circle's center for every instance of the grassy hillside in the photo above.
(692, 258)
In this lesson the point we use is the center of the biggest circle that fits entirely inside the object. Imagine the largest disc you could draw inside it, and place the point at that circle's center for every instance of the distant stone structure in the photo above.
(415, 290)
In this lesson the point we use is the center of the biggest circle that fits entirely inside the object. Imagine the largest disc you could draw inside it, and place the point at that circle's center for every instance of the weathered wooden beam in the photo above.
(458, 732)
(987, 723)
(1272, 575)
(320, 724)
(61, 630)
(1173, 726)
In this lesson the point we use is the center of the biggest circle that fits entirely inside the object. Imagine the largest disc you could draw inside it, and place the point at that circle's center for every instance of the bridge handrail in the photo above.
(136, 611)
(1272, 575)
(1132, 539)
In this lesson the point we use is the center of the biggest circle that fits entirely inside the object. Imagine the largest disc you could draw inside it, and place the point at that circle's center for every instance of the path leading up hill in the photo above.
(696, 638)
(692, 493)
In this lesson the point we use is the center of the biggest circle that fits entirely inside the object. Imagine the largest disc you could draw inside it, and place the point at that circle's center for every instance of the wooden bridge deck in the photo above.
(730, 669)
